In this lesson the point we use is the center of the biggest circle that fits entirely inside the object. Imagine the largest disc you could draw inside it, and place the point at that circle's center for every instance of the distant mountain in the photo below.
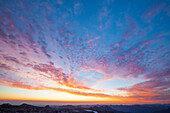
(25, 108)
(106, 109)
(163, 111)
(141, 108)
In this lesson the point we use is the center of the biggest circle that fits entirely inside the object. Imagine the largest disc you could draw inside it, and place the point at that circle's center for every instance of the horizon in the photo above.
(74, 103)
(85, 51)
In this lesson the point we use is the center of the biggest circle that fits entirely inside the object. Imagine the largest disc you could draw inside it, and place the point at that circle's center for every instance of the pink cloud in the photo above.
(153, 12)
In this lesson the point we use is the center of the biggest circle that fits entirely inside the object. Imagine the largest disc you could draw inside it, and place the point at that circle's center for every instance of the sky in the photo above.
(100, 51)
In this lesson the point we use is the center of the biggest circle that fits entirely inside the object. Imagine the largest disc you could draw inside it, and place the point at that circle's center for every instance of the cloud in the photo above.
(77, 8)
(132, 28)
(2, 34)
(45, 51)
(154, 11)
(124, 99)
(58, 76)
(151, 89)
(5, 67)
(12, 82)
(12, 59)
(60, 2)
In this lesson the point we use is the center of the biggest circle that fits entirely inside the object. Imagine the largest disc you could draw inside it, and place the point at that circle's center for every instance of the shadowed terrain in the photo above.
(25, 108)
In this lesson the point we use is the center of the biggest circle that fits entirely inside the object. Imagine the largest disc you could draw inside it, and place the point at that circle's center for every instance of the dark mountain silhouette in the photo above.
(25, 108)
(106, 109)
(163, 111)
(148, 108)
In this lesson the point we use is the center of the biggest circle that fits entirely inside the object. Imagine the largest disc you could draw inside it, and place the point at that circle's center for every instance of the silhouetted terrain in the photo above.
(25, 108)
(148, 108)
(163, 111)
